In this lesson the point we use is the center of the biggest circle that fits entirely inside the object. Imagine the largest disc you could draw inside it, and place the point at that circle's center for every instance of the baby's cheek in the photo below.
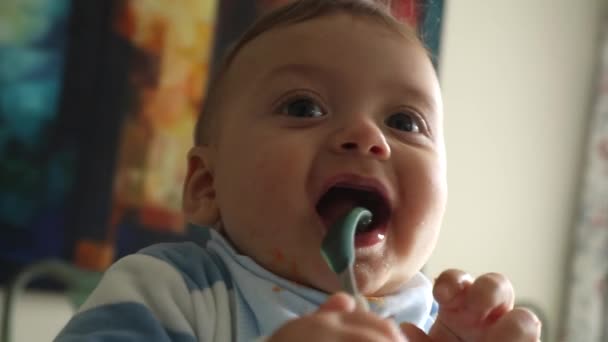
(417, 224)
(424, 194)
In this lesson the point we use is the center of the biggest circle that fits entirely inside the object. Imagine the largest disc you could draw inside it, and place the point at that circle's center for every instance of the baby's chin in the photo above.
(383, 281)
(370, 282)
(375, 278)
(374, 283)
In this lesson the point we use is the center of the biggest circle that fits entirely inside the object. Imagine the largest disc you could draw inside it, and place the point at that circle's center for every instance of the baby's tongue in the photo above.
(334, 210)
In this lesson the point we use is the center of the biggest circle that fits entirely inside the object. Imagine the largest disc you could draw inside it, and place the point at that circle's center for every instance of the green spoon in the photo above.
(339, 252)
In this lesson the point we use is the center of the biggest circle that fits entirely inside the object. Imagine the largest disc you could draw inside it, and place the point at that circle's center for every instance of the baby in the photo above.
(321, 106)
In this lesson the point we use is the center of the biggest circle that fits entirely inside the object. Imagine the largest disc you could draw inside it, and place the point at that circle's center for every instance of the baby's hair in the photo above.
(295, 12)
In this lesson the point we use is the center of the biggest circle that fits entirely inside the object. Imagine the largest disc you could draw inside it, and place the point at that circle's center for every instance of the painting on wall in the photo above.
(36, 173)
(97, 104)
(167, 48)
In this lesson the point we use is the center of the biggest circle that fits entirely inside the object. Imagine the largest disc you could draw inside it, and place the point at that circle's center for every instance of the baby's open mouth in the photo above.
(341, 199)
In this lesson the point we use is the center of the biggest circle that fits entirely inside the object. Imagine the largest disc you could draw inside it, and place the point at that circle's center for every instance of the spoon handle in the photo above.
(349, 284)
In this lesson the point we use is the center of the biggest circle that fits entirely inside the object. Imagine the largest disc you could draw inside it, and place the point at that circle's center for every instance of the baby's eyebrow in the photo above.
(303, 69)
(415, 95)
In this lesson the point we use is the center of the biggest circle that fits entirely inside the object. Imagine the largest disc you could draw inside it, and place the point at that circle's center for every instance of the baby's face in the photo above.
(319, 117)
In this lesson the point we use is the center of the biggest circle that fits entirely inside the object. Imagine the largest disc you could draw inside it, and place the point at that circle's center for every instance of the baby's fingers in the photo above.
(489, 298)
(466, 307)
(449, 289)
(518, 325)
(338, 302)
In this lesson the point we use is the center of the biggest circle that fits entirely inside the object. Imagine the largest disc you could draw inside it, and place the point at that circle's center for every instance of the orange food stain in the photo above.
(276, 289)
(379, 301)
(278, 255)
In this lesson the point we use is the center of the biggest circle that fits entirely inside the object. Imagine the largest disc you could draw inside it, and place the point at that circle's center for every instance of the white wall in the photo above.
(517, 78)
(39, 316)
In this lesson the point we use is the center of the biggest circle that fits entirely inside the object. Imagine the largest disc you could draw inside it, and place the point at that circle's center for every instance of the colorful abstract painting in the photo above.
(169, 46)
(35, 174)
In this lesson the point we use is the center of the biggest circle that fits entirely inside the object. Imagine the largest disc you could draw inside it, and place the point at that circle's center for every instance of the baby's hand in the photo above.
(480, 310)
(338, 320)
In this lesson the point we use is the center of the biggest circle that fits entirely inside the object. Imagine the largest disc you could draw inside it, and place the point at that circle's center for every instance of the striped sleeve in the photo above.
(150, 297)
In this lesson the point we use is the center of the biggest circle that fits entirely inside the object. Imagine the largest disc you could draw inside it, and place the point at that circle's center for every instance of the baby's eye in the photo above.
(303, 108)
(406, 122)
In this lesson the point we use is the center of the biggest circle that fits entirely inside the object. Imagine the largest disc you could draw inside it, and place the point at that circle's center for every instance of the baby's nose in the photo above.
(364, 138)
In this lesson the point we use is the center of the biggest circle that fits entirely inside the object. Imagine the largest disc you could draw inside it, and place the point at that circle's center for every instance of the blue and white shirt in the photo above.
(208, 292)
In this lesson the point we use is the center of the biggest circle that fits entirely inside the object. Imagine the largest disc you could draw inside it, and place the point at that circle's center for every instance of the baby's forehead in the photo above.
(320, 30)
(316, 40)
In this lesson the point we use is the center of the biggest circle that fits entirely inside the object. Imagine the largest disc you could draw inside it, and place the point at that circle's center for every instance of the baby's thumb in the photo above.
(338, 302)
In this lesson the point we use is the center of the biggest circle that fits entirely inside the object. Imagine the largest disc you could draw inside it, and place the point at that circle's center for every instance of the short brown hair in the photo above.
(295, 12)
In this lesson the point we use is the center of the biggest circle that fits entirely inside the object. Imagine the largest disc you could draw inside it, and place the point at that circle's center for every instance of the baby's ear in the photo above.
(199, 200)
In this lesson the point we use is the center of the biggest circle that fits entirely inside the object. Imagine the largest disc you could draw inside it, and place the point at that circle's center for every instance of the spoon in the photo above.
(338, 250)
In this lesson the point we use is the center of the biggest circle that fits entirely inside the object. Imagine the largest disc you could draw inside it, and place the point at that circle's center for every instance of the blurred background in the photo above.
(98, 101)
